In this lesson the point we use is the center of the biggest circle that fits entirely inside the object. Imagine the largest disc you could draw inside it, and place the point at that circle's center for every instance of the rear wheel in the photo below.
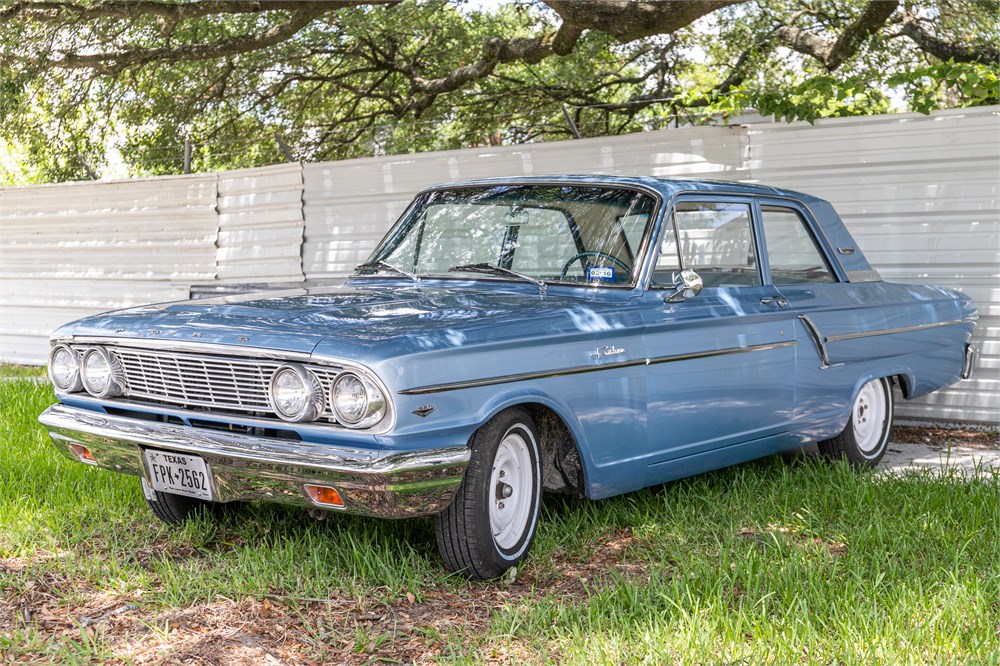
(490, 524)
(865, 439)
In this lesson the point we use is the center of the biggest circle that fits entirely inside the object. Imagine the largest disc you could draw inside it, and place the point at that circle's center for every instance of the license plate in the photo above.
(178, 473)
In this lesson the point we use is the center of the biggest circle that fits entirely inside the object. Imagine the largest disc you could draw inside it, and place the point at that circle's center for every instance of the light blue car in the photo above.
(585, 335)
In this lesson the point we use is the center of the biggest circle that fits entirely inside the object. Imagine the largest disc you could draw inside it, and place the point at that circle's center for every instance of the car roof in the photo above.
(667, 187)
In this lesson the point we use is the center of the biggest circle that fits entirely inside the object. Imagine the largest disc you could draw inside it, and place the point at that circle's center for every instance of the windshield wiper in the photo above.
(490, 269)
(377, 265)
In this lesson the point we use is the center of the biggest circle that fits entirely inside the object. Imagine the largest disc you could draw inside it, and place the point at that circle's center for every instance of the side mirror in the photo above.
(687, 284)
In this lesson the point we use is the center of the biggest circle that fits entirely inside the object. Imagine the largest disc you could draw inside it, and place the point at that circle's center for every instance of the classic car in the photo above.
(586, 335)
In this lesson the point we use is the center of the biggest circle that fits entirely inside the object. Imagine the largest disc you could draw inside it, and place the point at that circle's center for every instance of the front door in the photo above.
(721, 364)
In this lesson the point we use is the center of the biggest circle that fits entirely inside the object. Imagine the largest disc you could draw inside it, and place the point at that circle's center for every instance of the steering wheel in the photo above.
(597, 255)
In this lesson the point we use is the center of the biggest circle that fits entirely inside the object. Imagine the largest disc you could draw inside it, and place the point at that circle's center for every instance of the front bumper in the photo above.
(245, 467)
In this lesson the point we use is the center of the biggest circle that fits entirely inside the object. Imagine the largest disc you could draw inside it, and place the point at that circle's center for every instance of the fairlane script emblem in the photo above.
(607, 350)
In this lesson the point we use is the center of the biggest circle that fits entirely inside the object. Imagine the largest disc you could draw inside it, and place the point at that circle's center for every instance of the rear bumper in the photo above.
(971, 355)
(244, 467)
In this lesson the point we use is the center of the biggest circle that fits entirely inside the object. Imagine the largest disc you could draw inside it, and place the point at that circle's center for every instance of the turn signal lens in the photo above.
(83, 453)
(324, 495)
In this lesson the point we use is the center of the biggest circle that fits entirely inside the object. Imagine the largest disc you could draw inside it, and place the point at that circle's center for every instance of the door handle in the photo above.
(780, 301)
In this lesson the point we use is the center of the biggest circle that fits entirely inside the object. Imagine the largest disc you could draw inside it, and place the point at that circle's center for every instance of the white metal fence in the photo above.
(920, 193)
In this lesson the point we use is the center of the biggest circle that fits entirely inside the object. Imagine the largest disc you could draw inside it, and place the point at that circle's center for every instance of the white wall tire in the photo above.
(865, 438)
(491, 522)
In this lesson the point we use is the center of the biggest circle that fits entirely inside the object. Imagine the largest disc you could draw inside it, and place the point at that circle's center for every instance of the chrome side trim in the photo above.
(892, 331)
(544, 374)
(245, 467)
(818, 340)
(719, 352)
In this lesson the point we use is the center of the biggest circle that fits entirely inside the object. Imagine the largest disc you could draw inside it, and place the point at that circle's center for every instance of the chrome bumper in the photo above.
(244, 467)
(971, 356)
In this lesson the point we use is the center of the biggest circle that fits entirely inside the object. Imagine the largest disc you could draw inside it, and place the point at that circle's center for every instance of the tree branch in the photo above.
(494, 52)
(113, 63)
(985, 54)
(44, 11)
(626, 20)
(833, 54)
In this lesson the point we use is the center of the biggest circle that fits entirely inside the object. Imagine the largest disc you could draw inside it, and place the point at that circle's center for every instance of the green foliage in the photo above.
(948, 84)
(353, 82)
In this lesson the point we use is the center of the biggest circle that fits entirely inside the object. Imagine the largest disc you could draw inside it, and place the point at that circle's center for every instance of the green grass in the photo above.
(20, 371)
(775, 562)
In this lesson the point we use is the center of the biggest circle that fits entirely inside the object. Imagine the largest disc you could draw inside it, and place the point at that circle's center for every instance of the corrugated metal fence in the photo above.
(921, 194)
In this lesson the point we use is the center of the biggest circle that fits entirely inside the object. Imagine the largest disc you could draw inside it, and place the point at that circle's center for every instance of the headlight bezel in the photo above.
(313, 406)
(375, 407)
(76, 384)
(115, 385)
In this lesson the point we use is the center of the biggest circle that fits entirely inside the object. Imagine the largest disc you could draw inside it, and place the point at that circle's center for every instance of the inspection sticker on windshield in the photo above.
(178, 473)
(600, 273)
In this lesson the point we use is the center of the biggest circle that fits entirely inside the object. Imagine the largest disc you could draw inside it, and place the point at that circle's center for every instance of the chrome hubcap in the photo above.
(510, 505)
(869, 416)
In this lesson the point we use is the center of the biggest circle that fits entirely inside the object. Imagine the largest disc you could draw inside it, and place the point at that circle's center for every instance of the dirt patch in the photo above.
(251, 631)
(422, 625)
(942, 437)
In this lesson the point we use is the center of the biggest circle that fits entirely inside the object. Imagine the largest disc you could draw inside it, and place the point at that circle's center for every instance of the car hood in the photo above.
(354, 321)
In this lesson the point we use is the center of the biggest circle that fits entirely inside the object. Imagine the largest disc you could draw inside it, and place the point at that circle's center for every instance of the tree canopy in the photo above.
(88, 83)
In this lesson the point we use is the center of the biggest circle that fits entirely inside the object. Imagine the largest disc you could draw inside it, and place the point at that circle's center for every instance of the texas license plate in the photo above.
(178, 473)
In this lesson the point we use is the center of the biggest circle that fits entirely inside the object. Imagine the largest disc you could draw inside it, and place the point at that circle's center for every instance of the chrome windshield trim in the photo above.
(641, 256)
(544, 374)
(817, 339)
(892, 331)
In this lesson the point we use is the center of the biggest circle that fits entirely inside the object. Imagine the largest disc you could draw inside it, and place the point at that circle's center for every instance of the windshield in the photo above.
(574, 234)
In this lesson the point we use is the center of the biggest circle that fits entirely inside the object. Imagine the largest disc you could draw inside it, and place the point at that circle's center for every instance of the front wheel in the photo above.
(178, 509)
(865, 439)
(490, 524)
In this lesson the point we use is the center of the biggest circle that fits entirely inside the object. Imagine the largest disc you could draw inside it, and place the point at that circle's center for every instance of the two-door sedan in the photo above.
(587, 335)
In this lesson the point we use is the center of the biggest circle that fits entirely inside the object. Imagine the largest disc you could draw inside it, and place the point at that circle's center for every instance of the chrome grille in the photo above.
(199, 380)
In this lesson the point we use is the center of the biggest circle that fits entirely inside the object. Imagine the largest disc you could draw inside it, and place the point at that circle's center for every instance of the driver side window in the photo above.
(714, 239)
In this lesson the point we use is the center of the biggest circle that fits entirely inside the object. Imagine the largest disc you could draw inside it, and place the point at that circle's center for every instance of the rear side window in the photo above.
(792, 252)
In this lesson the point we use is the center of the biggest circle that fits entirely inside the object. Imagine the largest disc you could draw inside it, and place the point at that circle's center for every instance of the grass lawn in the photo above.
(776, 562)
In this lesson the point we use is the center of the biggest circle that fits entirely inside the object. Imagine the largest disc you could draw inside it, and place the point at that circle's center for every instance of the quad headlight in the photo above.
(102, 374)
(296, 394)
(64, 369)
(357, 402)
